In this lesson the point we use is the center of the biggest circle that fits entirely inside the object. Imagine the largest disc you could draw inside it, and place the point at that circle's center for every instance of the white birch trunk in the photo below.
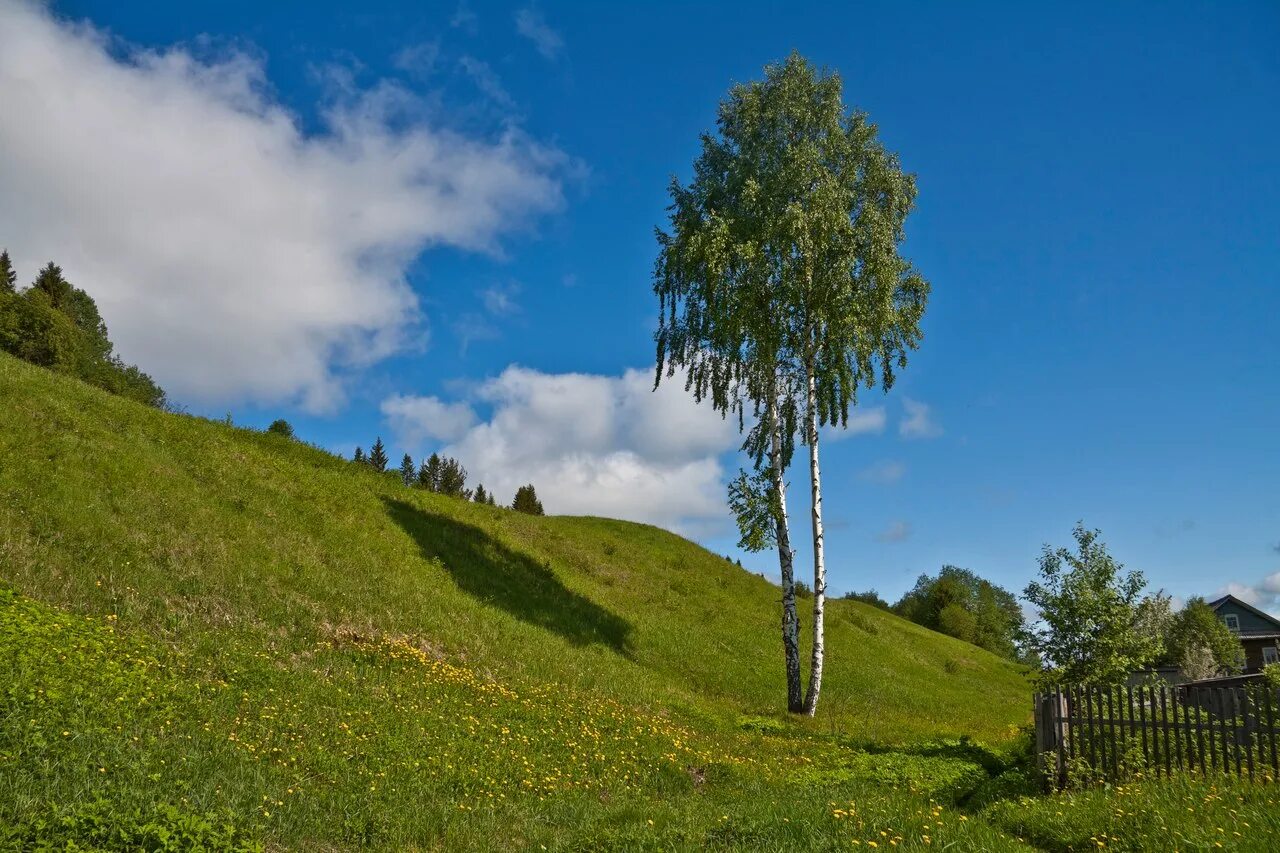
(790, 620)
(819, 564)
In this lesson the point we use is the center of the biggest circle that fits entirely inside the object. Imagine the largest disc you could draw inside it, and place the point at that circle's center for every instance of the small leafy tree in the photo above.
(492, 501)
(378, 456)
(526, 501)
(358, 456)
(281, 427)
(1198, 639)
(1096, 626)
(481, 496)
(407, 471)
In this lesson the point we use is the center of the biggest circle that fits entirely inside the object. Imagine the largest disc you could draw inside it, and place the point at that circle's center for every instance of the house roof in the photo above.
(1243, 605)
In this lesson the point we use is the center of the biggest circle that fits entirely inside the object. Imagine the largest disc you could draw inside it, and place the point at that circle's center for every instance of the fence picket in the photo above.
(1199, 735)
(1164, 730)
(1111, 731)
(1142, 717)
(1093, 742)
(1246, 708)
(1222, 729)
(1268, 692)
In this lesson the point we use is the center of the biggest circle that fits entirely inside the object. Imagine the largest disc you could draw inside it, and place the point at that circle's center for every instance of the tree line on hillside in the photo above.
(443, 475)
(56, 325)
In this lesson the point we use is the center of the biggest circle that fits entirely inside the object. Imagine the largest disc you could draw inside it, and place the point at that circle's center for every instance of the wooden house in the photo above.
(1259, 632)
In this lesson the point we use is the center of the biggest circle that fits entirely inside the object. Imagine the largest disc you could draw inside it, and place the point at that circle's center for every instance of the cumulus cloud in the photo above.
(594, 445)
(885, 472)
(234, 255)
(897, 531)
(918, 422)
(416, 420)
(1265, 595)
(531, 25)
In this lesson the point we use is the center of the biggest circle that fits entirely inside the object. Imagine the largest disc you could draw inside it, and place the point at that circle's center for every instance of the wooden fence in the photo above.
(1096, 733)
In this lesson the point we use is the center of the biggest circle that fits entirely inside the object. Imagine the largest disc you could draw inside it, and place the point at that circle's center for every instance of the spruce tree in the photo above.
(429, 474)
(378, 455)
(453, 478)
(481, 496)
(526, 501)
(8, 277)
(51, 283)
(406, 470)
(358, 456)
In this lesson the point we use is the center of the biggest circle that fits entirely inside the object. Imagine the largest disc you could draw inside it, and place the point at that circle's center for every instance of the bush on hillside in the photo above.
(57, 326)
(960, 604)
(281, 427)
(869, 597)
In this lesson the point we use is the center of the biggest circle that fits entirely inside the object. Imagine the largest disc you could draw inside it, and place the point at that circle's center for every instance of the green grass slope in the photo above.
(271, 643)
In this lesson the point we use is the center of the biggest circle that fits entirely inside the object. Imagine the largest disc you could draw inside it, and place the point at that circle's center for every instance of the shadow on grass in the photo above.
(497, 575)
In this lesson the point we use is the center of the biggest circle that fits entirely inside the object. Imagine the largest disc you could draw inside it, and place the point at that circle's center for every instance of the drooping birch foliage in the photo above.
(782, 291)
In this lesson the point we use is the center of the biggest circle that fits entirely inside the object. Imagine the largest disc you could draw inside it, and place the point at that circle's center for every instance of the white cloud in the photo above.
(885, 472)
(918, 421)
(486, 80)
(418, 60)
(600, 445)
(1264, 595)
(897, 531)
(861, 422)
(465, 19)
(416, 420)
(500, 300)
(235, 256)
(531, 25)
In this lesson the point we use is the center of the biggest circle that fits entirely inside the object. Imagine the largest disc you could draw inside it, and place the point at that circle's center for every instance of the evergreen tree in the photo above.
(358, 456)
(51, 283)
(453, 479)
(492, 502)
(378, 455)
(429, 473)
(481, 496)
(526, 501)
(406, 470)
(8, 278)
(281, 427)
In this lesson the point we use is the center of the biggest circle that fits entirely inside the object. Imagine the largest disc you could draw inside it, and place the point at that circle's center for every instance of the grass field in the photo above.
(215, 637)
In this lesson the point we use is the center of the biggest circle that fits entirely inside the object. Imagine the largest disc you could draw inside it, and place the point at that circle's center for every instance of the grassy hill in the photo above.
(214, 636)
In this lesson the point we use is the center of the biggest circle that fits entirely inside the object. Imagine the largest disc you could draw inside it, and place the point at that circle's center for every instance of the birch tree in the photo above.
(783, 292)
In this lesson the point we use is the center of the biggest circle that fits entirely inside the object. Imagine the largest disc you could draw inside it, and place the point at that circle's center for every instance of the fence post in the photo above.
(1048, 736)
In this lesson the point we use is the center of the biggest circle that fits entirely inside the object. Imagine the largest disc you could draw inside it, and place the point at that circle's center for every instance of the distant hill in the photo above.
(203, 584)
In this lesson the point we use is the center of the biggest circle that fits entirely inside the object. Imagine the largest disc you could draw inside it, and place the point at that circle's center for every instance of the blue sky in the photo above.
(1097, 216)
